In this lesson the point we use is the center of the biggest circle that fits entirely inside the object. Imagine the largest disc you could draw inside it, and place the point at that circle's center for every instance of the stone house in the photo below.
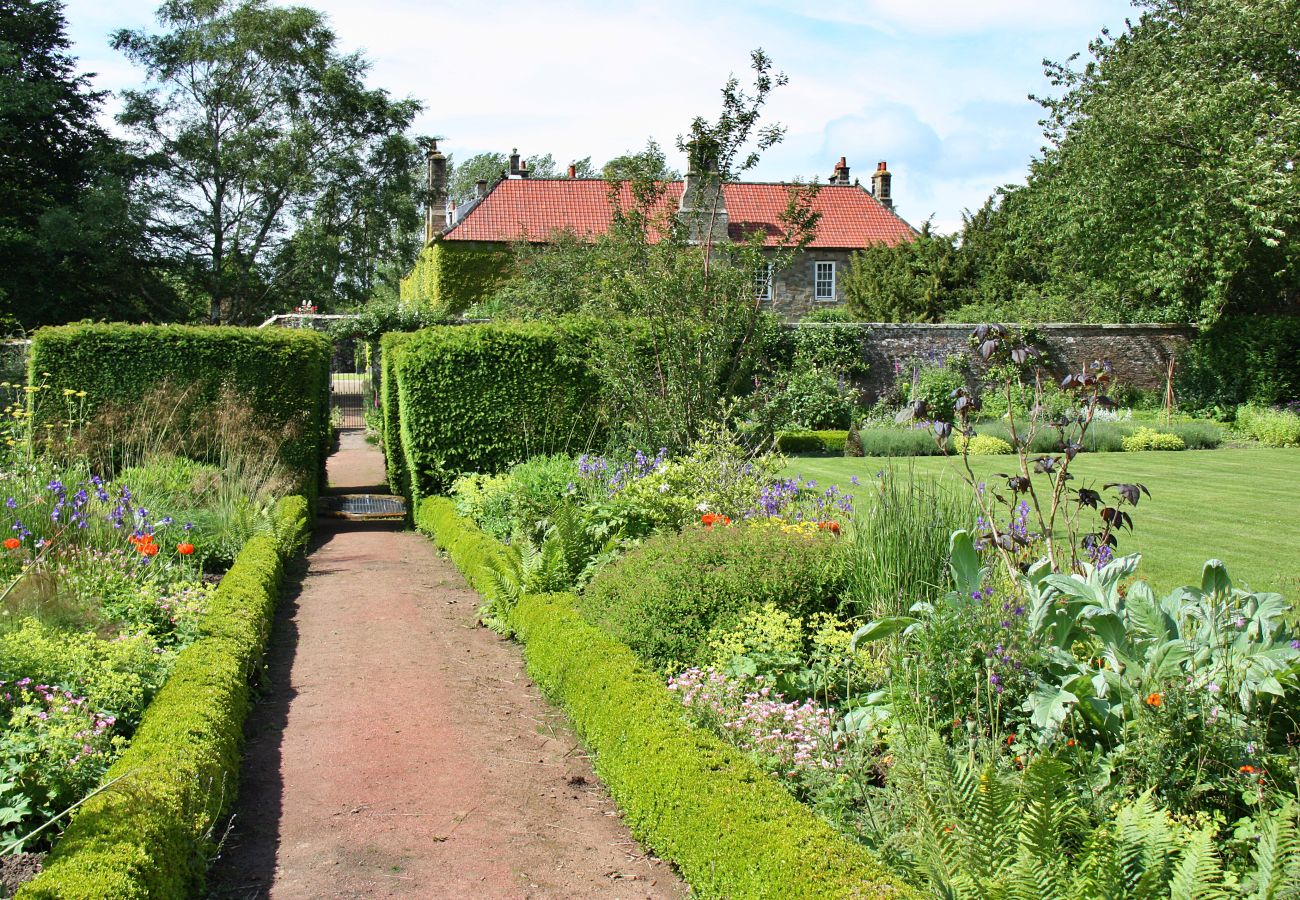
(520, 208)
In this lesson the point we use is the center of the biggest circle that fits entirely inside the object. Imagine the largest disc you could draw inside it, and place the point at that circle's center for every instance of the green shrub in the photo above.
(663, 598)
(283, 373)
(983, 445)
(452, 276)
(151, 835)
(729, 829)
(1241, 359)
(478, 398)
(934, 385)
(1271, 427)
(120, 675)
(815, 399)
(1198, 435)
(811, 441)
(1150, 439)
(886, 440)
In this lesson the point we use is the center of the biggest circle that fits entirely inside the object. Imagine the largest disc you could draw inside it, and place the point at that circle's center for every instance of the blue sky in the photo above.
(937, 89)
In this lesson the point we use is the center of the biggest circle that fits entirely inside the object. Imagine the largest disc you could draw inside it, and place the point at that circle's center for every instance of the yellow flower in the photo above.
(69, 392)
(81, 393)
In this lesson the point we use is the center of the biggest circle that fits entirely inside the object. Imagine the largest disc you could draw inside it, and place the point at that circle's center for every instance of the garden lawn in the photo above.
(1237, 505)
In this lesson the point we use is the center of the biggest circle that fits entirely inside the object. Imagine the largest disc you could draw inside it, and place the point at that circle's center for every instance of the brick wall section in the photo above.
(1139, 354)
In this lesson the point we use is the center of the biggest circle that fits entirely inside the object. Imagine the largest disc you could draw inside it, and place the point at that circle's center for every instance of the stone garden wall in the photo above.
(1139, 354)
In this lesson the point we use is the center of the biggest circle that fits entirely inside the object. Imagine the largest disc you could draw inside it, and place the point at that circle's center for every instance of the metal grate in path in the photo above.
(363, 507)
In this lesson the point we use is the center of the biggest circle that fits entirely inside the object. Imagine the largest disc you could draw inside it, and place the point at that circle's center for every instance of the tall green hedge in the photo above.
(731, 830)
(284, 372)
(1241, 359)
(150, 835)
(454, 275)
(477, 398)
(390, 419)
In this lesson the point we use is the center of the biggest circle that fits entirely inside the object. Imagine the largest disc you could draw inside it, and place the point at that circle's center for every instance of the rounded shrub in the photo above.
(983, 445)
(665, 597)
(1150, 439)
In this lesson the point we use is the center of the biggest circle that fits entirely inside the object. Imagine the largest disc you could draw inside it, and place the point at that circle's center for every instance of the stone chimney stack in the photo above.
(703, 207)
(514, 164)
(480, 188)
(881, 187)
(841, 173)
(435, 214)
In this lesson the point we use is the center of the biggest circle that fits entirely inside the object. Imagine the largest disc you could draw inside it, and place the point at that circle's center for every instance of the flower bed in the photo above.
(731, 830)
(149, 834)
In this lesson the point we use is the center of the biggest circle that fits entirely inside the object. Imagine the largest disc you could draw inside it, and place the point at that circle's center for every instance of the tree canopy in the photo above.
(72, 240)
(281, 173)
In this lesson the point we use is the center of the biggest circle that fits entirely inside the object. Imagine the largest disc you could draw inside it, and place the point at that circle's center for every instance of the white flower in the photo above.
(663, 488)
(703, 507)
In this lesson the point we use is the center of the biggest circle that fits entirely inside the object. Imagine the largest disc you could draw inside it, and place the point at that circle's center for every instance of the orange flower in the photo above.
(1155, 699)
(12, 543)
(1070, 742)
(185, 549)
(947, 829)
(147, 548)
(726, 520)
(832, 527)
(1248, 770)
(1011, 739)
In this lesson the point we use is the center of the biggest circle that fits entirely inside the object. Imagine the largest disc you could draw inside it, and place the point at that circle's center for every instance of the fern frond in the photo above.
(1198, 874)
(1276, 857)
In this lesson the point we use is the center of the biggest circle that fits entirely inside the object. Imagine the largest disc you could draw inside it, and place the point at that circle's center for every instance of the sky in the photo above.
(939, 90)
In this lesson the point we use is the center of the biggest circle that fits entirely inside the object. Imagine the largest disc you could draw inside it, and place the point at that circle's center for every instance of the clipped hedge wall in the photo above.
(283, 371)
(730, 829)
(150, 835)
(454, 275)
(391, 434)
(478, 398)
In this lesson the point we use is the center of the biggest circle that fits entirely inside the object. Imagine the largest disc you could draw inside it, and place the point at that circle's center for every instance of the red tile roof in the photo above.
(533, 208)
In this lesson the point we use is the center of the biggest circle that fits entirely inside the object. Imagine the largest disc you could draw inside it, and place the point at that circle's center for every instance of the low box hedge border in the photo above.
(812, 441)
(150, 835)
(729, 828)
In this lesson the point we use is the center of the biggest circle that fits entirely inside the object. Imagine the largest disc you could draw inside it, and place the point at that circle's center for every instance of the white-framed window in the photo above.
(763, 282)
(824, 281)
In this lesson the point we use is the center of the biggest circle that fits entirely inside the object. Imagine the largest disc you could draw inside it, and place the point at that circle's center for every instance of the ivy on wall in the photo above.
(452, 276)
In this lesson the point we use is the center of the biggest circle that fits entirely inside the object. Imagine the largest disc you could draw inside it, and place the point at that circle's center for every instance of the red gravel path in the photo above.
(402, 752)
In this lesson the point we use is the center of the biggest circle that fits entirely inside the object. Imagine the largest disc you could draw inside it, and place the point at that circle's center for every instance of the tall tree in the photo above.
(71, 240)
(270, 146)
(462, 178)
(647, 163)
(1171, 184)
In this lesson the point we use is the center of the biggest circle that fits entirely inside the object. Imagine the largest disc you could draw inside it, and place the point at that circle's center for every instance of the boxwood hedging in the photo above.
(829, 441)
(730, 829)
(284, 373)
(452, 276)
(391, 434)
(477, 398)
(150, 834)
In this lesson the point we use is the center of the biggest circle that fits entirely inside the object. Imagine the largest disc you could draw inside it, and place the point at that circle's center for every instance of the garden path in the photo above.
(401, 751)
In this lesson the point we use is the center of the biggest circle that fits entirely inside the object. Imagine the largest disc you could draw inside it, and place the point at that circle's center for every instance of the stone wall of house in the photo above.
(1139, 354)
(792, 288)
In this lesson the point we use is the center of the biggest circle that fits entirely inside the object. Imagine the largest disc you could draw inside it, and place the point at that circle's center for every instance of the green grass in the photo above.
(1237, 505)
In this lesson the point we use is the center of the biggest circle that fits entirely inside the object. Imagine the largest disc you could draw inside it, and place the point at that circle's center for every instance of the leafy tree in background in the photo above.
(72, 241)
(272, 154)
(648, 163)
(911, 282)
(1170, 189)
(462, 177)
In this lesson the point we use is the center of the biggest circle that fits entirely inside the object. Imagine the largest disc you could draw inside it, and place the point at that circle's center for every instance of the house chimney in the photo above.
(480, 188)
(841, 174)
(573, 170)
(880, 186)
(523, 169)
(703, 207)
(435, 214)
(514, 163)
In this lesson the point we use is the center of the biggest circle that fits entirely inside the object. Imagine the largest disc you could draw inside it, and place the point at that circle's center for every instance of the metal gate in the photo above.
(350, 385)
